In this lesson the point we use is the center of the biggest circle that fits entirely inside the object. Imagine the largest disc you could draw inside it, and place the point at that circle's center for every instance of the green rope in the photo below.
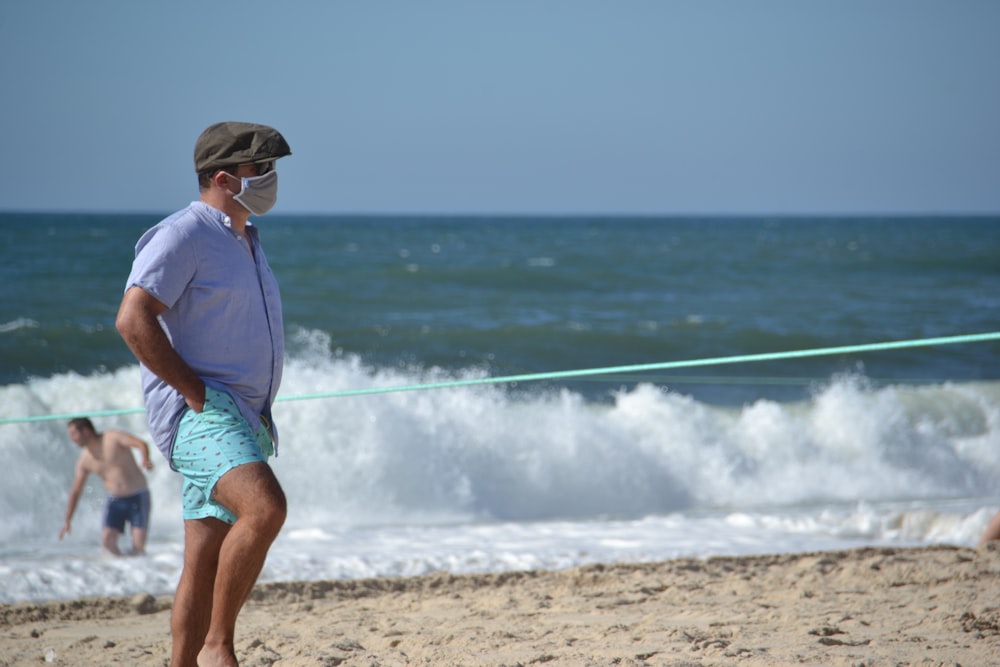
(756, 380)
(586, 372)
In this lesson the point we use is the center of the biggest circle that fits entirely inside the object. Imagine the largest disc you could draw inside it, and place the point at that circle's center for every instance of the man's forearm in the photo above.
(74, 498)
(142, 333)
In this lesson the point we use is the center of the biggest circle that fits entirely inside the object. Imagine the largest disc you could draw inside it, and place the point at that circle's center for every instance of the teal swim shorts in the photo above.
(210, 444)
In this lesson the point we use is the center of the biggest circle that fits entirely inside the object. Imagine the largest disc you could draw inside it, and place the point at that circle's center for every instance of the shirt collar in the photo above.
(219, 216)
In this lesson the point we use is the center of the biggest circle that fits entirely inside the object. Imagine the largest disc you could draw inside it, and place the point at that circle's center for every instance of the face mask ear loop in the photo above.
(243, 185)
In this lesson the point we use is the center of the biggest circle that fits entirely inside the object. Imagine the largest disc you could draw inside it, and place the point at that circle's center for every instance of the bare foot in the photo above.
(217, 657)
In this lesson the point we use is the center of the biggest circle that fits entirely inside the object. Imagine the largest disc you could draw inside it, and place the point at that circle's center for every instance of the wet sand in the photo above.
(870, 606)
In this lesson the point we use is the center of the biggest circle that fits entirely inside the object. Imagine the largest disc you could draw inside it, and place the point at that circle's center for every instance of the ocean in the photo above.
(467, 472)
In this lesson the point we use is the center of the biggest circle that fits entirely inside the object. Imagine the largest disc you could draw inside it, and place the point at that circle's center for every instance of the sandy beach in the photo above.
(869, 606)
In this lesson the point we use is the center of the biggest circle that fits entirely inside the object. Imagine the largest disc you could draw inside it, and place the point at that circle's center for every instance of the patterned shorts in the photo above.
(210, 444)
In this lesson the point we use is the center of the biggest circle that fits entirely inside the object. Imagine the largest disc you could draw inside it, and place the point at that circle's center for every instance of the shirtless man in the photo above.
(108, 455)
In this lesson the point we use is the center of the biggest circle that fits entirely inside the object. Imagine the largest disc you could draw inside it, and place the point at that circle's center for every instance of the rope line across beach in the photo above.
(582, 373)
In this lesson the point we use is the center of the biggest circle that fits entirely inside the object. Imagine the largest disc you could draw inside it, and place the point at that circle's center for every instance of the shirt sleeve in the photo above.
(164, 264)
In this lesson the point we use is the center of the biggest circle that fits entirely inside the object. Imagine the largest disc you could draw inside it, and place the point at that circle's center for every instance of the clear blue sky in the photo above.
(513, 106)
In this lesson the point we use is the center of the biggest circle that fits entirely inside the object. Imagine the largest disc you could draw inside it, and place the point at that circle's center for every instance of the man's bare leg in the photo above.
(192, 609)
(253, 494)
(138, 541)
(109, 540)
(992, 532)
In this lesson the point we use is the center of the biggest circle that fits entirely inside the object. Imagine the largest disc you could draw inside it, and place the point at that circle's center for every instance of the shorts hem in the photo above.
(210, 512)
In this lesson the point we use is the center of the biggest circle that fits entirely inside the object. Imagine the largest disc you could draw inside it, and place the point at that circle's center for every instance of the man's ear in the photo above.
(221, 179)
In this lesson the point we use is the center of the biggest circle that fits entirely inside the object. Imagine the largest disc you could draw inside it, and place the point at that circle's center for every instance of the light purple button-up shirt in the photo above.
(223, 314)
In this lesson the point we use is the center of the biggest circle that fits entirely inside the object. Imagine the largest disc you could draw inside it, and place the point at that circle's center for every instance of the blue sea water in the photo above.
(886, 446)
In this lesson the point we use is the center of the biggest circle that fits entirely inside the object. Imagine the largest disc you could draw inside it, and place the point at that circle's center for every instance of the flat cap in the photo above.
(231, 143)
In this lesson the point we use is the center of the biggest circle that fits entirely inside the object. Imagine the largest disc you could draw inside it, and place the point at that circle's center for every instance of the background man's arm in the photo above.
(79, 479)
(139, 327)
(128, 440)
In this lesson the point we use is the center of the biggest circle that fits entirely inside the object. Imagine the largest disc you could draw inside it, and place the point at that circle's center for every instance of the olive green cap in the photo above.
(231, 143)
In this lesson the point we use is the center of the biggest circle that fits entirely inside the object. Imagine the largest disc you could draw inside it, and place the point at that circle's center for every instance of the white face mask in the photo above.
(258, 193)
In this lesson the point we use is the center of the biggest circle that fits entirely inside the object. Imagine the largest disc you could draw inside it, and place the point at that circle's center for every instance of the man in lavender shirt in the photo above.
(202, 314)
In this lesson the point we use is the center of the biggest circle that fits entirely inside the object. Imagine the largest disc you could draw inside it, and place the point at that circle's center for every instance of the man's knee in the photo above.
(109, 540)
(252, 492)
(273, 510)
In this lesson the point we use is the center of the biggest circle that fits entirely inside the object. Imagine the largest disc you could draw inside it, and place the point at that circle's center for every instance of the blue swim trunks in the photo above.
(133, 509)
(210, 444)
